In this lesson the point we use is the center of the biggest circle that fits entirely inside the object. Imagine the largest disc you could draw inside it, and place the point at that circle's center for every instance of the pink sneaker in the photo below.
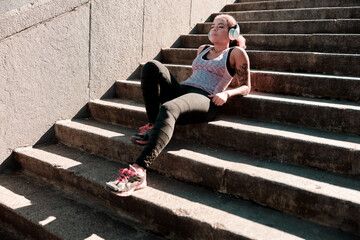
(128, 181)
(143, 135)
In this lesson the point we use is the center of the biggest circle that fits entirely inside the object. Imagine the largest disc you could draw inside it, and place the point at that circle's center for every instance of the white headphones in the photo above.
(234, 32)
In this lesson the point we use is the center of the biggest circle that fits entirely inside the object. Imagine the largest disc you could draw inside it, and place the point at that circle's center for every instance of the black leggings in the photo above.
(168, 102)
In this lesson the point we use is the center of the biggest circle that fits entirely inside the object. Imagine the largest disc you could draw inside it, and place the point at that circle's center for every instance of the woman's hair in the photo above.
(231, 22)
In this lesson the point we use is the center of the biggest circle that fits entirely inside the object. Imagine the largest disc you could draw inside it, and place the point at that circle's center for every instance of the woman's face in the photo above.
(219, 32)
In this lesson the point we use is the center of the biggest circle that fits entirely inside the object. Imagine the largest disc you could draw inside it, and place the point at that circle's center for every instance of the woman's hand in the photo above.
(220, 98)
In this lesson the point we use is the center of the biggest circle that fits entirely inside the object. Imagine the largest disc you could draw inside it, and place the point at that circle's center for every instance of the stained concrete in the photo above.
(56, 214)
(8, 5)
(167, 206)
(41, 71)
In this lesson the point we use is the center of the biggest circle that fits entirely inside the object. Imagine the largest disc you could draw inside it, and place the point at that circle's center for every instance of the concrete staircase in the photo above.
(280, 163)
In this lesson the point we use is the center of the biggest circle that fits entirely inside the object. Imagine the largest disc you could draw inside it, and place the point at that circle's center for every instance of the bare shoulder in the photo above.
(201, 48)
(239, 55)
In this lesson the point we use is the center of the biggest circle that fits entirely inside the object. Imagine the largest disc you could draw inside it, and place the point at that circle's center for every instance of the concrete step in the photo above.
(9, 234)
(167, 206)
(278, 186)
(307, 85)
(295, 84)
(331, 43)
(347, 26)
(334, 116)
(352, 12)
(288, 4)
(252, 1)
(129, 89)
(327, 115)
(333, 152)
(39, 210)
(308, 62)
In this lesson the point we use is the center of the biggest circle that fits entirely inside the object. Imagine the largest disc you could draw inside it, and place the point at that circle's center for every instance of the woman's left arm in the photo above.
(241, 83)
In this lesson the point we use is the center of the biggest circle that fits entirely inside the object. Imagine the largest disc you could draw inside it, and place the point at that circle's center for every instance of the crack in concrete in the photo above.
(43, 22)
(191, 6)
(89, 54)
(143, 31)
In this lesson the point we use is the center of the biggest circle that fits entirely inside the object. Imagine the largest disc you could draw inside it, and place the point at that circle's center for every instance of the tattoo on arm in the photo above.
(241, 76)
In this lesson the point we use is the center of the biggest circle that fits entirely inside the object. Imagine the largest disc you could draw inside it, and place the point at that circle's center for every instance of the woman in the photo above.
(219, 72)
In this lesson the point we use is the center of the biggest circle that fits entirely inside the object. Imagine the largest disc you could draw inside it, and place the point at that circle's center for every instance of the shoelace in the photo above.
(125, 173)
(145, 128)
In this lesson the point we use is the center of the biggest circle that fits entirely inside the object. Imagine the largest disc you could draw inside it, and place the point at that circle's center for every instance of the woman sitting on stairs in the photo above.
(219, 72)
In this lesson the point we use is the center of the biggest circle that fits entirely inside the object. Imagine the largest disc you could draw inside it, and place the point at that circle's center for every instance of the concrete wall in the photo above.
(125, 34)
(56, 55)
(7, 5)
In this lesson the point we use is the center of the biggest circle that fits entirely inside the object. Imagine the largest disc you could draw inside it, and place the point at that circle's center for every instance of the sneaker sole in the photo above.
(139, 142)
(130, 191)
(110, 188)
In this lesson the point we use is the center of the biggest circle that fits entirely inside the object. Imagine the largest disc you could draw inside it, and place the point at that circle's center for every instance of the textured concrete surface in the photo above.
(18, 20)
(124, 34)
(307, 85)
(251, 5)
(334, 116)
(156, 25)
(330, 115)
(44, 76)
(179, 210)
(6, 234)
(297, 14)
(283, 142)
(289, 61)
(295, 84)
(294, 27)
(7, 5)
(200, 8)
(218, 169)
(116, 42)
(264, 172)
(334, 43)
(56, 214)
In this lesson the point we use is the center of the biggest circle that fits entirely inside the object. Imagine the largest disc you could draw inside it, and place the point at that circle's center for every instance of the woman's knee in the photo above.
(151, 67)
(169, 110)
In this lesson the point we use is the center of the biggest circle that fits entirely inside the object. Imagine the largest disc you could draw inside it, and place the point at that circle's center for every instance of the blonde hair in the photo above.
(231, 22)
